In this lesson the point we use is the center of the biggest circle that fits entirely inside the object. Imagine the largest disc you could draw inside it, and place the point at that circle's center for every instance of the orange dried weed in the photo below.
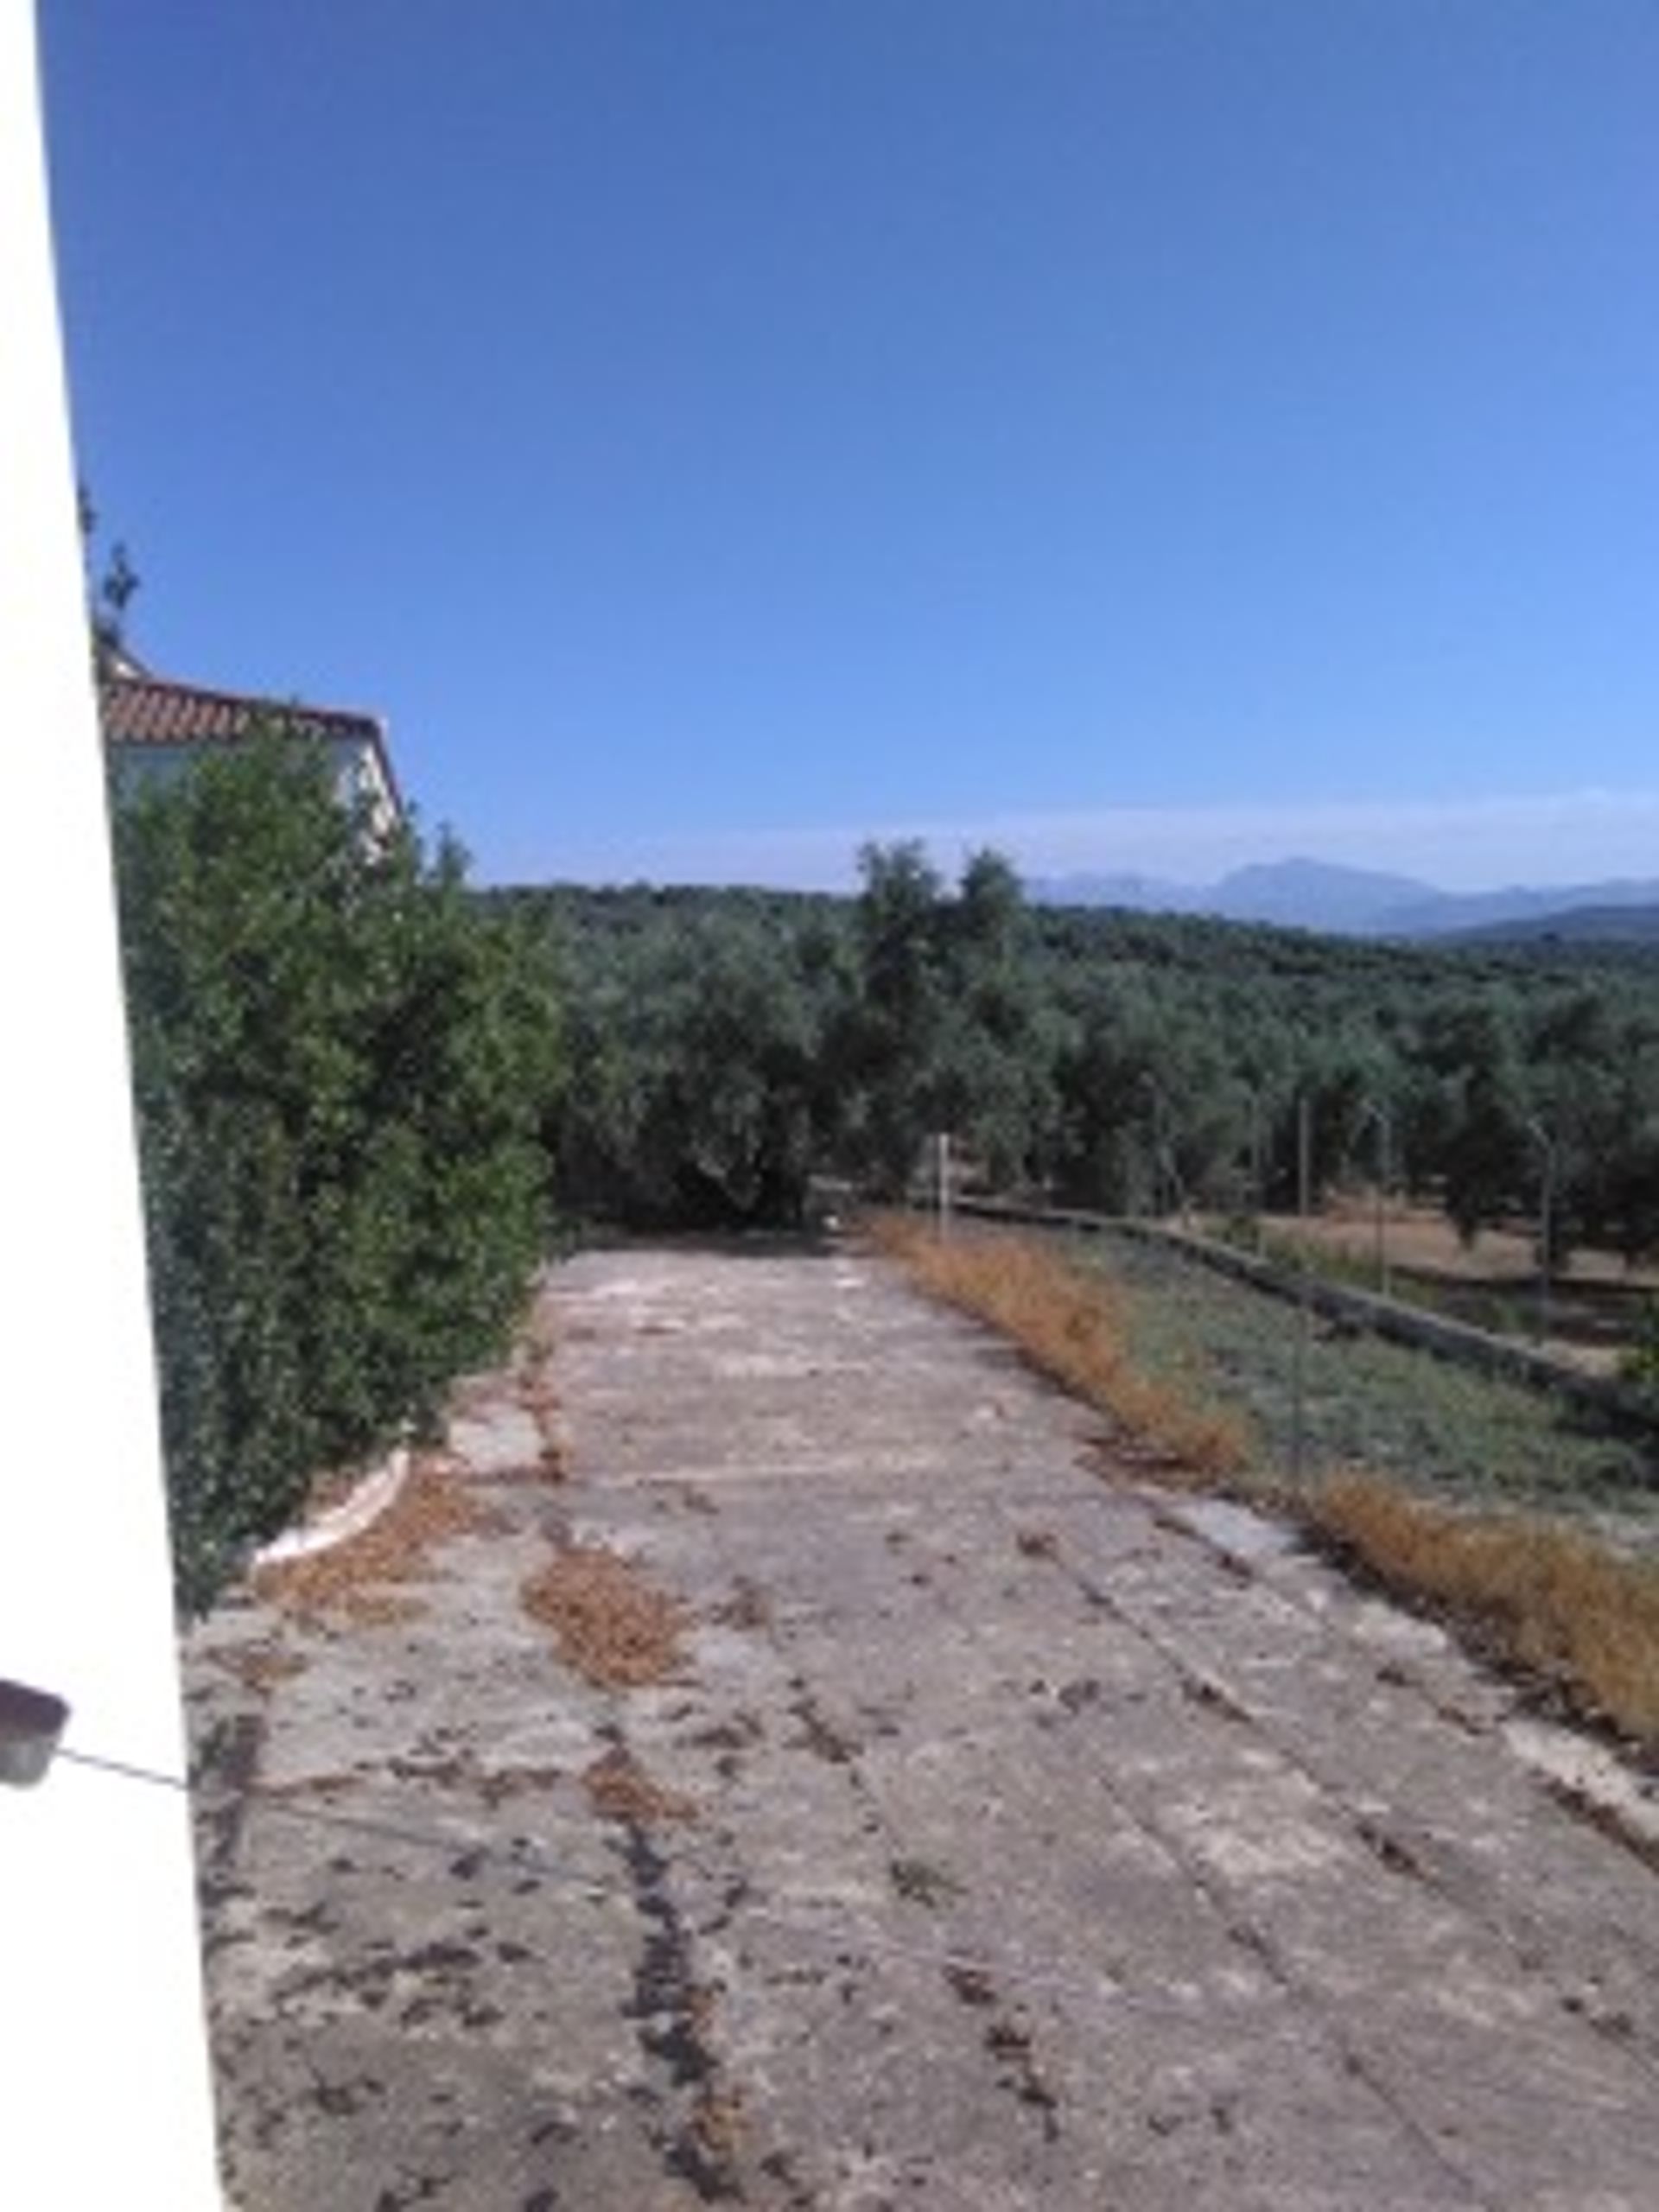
(620, 1789)
(1552, 1601)
(358, 1578)
(1069, 1325)
(611, 1624)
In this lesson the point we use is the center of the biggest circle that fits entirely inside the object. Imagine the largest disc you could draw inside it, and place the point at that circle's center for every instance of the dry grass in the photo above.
(539, 1397)
(619, 1788)
(260, 1667)
(359, 1578)
(1420, 1239)
(1560, 1606)
(1546, 1599)
(328, 1786)
(1069, 1325)
(613, 1626)
(463, 1770)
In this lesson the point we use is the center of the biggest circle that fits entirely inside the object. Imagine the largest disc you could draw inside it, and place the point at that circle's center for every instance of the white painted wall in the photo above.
(356, 772)
(103, 2084)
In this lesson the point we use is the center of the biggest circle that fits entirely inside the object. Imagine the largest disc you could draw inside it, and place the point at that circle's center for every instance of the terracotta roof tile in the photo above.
(138, 708)
(149, 710)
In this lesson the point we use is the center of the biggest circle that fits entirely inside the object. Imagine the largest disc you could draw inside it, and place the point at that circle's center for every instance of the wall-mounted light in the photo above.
(31, 1723)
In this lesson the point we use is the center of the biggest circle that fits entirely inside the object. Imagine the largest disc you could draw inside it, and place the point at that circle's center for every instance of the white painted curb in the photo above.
(1588, 1770)
(364, 1506)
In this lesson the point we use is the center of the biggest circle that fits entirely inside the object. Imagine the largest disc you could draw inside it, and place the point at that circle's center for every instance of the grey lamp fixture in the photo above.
(31, 1724)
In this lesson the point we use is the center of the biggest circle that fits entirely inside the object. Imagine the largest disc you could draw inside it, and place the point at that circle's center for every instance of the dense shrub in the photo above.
(340, 1063)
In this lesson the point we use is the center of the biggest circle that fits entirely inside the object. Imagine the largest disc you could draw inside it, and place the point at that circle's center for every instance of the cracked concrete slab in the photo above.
(1007, 1833)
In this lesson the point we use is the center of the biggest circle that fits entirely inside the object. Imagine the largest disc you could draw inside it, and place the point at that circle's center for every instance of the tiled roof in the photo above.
(149, 710)
(139, 708)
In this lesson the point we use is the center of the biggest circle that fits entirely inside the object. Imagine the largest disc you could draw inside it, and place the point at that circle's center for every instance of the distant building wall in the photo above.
(357, 774)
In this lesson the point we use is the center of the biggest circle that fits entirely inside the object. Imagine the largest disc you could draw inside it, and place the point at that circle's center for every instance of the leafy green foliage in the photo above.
(950, 1031)
(731, 1042)
(110, 591)
(703, 1049)
(341, 1064)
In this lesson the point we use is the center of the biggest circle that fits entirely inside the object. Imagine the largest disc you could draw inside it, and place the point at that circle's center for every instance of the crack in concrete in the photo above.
(673, 2011)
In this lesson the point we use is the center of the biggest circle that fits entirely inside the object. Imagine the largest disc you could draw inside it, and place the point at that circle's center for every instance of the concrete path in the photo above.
(1004, 1834)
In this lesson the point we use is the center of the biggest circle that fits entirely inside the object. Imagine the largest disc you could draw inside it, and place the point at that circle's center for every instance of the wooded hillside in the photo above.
(721, 1046)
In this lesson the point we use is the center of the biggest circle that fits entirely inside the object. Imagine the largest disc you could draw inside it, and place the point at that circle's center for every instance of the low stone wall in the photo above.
(1384, 1317)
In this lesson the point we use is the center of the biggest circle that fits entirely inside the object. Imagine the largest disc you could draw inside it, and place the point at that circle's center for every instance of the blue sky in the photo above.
(1147, 434)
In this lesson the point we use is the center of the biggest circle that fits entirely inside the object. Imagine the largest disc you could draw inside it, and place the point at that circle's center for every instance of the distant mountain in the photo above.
(1441, 911)
(1362, 902)
(1316, 895)
(1142, 895)
(1628, 925)
(1294, 894)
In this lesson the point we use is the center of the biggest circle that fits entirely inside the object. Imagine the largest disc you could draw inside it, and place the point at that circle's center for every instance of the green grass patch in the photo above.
(1441, 1428)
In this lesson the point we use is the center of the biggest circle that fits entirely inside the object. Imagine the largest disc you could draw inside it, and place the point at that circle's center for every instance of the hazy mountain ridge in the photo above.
(1300, 893)
(1637, 924)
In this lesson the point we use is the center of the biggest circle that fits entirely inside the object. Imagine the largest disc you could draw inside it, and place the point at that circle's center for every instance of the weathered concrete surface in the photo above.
(1054, 1841)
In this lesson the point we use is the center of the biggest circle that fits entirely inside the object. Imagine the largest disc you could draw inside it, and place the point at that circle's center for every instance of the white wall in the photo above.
(357, 773)
(104, 2091)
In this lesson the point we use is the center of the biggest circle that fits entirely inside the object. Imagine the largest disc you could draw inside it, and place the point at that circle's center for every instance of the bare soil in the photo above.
(1421, 1239)
(1594, 1301)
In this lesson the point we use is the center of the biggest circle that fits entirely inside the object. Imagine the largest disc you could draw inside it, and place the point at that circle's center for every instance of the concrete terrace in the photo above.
(937, 1817)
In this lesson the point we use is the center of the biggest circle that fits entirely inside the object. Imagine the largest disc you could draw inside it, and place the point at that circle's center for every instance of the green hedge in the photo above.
(341, 1066)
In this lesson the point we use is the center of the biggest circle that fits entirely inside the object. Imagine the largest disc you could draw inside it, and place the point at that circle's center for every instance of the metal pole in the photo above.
(1379, 1115)
(1149, 1084)
(1299, 1394)
(1546, 1245)
(1542, 1138)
